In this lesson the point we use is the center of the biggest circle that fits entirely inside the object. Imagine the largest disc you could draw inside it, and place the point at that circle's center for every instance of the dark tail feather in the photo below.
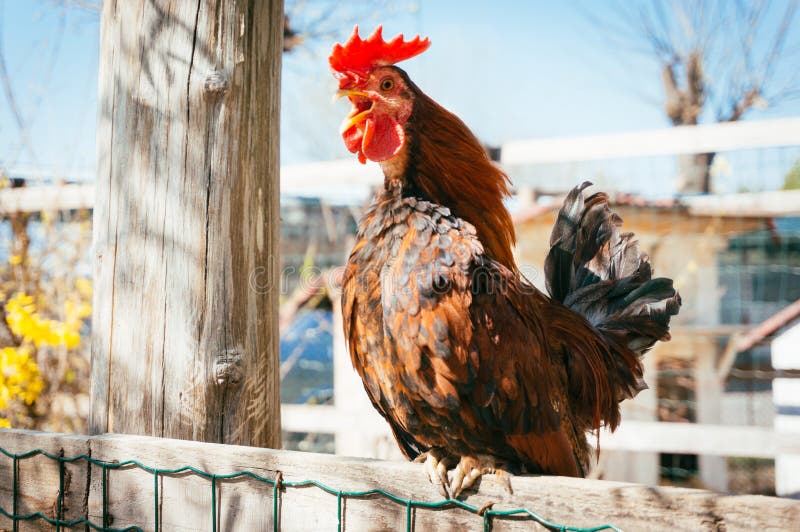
(596, 270)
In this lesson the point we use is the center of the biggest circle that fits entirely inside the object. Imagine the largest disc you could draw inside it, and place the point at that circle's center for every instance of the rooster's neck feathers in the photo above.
(444, 162)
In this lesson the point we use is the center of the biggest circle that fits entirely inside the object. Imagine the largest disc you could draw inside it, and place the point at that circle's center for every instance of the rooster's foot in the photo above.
(471, 468)
(436, 463)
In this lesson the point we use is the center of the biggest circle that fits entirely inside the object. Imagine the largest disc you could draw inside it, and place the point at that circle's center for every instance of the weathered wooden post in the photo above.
(185, 341)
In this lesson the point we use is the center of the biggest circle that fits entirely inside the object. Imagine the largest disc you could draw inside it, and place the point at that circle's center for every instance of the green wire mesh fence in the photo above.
(277, 483)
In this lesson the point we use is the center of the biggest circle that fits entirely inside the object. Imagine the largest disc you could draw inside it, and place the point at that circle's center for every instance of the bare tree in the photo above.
(718, 59)
(305, 21)
(315, 23)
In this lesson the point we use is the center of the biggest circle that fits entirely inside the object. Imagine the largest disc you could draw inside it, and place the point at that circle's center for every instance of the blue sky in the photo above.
(53, 73)
(511, 70)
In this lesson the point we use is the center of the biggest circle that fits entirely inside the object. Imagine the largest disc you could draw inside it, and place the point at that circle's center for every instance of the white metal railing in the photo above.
(671, 141)
(750, 204)
(349, 178)
(81, 196)
(632, 435)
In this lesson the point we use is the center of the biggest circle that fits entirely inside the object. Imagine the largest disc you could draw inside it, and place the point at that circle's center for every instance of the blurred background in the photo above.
(686, 112)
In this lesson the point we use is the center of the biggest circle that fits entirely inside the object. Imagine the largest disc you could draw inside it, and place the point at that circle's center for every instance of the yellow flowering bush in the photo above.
(19, 379)
(45, 300)
(24, 321)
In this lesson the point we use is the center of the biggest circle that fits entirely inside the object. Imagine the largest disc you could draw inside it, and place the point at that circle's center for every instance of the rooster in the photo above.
(475, 370)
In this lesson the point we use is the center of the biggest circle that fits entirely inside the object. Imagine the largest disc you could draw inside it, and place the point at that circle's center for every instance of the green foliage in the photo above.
(792, 179)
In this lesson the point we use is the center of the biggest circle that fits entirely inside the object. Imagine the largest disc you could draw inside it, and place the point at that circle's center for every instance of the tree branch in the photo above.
(12, 103)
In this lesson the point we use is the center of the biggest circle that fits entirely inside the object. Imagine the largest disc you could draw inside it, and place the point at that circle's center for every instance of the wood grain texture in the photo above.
(38, 478)
(184, 500)
(186, 221)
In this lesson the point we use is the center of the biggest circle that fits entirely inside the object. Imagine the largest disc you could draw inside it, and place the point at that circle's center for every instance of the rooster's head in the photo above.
(381, 94)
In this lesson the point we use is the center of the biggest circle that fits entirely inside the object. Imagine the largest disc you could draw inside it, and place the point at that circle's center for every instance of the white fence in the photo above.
(360, 431)
(348, 179)
(631, 436)
(709, 138)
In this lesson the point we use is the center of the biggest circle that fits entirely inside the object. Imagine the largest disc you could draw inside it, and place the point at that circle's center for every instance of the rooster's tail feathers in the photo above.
(597, 271)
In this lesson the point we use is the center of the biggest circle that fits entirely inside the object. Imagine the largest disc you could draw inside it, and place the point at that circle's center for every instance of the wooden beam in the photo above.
(632, 435)
(675, 140)
(697, 438)
(667, 141)
(739, 342)
(308, 177)
(709, 389)
(38, 478)
(746, 205)
(634, 466)
(185, 338)
(184, 500)
(315, 418)
(46, 198)
(769, 326)
(746, 209)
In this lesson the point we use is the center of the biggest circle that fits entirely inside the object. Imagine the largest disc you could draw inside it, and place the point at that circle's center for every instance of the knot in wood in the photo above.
(228, 368)
(216, 83)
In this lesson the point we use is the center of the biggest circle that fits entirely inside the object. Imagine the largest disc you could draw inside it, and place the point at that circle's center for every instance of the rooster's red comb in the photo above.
(359, 55)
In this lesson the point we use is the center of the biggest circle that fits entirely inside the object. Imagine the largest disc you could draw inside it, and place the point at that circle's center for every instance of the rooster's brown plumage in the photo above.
(470, 364)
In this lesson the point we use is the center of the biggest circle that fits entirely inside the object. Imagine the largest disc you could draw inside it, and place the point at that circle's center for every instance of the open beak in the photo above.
(341, 93)
(356, 116)
(354, 119)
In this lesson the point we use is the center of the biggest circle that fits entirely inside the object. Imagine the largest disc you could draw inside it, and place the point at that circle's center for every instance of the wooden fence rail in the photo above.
(184, 501)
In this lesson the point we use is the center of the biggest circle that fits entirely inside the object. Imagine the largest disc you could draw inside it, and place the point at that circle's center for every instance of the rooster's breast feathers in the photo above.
(447, 341)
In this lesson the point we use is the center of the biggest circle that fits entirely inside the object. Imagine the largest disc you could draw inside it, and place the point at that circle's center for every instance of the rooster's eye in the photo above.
(387, 84)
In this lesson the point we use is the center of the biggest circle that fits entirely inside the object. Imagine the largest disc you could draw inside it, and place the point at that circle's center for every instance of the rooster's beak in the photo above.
(341, 93)
(355, 117)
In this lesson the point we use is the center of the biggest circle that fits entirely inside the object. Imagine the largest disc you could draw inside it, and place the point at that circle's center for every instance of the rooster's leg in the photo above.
(436, 462)
(470, 469)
